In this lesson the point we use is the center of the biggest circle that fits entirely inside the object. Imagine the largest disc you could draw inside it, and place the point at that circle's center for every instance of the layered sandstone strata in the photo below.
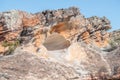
(35, 28)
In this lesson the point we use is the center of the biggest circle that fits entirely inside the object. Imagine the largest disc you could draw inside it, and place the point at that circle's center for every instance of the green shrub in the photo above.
(113, 44)
(11, 46)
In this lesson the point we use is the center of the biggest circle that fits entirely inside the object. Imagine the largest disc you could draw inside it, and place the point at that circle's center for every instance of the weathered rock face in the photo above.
(27, 66)
(113, 60)
(61, 42)
(70, 23)
(115, 38)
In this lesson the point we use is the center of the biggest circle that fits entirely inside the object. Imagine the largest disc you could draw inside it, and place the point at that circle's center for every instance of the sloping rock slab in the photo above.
(25, 66)
(113, 58)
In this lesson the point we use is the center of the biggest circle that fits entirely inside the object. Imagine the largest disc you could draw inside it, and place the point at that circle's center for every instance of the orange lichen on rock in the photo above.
(11, 36)
(60, 27)
(86, 37)
(65, 29)
(30, 22)
(101, 41)
(106, 40)
(8, 36)
(1, 29)
(2, 49)
(39, 37)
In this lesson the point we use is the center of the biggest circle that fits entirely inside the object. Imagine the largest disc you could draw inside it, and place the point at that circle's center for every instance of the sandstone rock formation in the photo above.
(56, 45)
(70, 23)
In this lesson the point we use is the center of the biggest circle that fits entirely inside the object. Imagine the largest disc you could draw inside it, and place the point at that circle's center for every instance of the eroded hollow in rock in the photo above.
(56, 42)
